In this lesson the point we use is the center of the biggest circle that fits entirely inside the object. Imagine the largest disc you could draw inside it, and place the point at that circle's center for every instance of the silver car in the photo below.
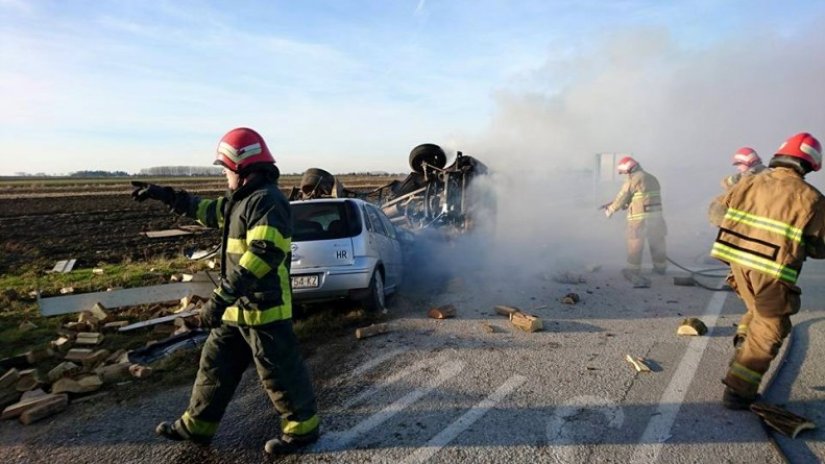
(344, 248)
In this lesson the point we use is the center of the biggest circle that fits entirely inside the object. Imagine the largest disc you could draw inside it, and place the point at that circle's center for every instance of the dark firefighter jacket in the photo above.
(257, 232)
(772, 223)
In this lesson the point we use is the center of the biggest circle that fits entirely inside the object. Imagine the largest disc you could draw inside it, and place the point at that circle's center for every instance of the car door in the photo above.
(380, 240)
(395, 256)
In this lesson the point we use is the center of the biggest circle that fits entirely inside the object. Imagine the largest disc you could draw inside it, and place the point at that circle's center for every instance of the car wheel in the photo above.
(375, 301)
(429, 153)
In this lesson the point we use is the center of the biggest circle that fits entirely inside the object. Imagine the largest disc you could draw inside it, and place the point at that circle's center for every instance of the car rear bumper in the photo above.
(333, 283)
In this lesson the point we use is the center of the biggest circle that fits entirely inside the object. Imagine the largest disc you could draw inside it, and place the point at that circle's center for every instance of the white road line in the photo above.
(337, 441)
(392, 379)
(658, 429)
(367, 366)
(465, 421)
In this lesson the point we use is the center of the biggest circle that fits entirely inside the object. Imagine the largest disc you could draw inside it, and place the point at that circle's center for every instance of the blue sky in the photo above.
(353, 86)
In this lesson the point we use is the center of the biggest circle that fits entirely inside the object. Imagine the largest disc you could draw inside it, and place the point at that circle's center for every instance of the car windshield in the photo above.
(324, 221)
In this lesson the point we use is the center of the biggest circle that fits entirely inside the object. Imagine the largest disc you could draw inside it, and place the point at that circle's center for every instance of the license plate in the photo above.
(305, 281)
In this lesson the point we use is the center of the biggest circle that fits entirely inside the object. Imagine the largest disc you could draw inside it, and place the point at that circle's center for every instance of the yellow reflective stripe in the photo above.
(757, 263)
(652, 193)
(198, 427)
(639, 216)
(236, 246)
(268, 234)
(742, 328)
(253, 317)
(745, 374)
(300, 428)
(254, 264)
(768, 224)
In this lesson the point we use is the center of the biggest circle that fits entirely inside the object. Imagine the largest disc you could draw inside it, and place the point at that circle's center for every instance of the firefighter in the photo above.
(747, 163)
(250, 312)
(773, 222)
(642, 198)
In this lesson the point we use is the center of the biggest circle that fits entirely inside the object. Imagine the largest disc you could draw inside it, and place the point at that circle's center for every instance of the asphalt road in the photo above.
(449, 392)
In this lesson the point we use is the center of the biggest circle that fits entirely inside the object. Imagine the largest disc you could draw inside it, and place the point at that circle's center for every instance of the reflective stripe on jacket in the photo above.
(255, 257)
(640, 195)
(772, 223)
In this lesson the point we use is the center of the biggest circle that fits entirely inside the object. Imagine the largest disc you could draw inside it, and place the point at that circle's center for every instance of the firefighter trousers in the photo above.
(770, 304)
(226, 355)
(652, 230)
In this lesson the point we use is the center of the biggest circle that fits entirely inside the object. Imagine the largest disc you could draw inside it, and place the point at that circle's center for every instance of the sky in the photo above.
(531, 87)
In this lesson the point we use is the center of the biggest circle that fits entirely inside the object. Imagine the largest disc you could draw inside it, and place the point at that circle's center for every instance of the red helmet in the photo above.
(241, 148)
(803, 146)
(746, 156)
(627, 165)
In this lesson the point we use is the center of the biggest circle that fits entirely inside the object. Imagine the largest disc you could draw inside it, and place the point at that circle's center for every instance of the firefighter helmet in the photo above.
(627, 165)
(241, 148)
(805, 147)
(746, 156)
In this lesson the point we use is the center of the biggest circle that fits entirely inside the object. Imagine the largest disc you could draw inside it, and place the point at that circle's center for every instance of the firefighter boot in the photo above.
(177, 431)
(288, 443)
(736, 401)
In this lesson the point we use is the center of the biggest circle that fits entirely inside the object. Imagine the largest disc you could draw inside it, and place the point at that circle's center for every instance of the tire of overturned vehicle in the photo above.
(429, 153)
(317, 181)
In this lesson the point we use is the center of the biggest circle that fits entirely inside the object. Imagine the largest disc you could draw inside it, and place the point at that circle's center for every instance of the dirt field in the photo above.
(98, 222)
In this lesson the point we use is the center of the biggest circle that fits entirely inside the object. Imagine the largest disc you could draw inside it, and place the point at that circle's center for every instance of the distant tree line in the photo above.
(99, 174)
(182, 171)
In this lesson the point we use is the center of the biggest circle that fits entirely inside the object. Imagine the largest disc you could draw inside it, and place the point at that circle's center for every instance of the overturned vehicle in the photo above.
(433, 195)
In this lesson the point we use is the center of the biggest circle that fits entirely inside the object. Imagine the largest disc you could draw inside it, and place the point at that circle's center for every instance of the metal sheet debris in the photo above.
(54, 306)
(64, 266)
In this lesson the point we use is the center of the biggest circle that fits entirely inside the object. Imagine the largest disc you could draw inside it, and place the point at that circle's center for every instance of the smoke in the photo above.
(680, 112)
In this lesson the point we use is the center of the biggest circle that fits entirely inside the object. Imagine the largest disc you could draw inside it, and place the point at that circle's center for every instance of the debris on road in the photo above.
(684, 281)
(375, 329)
(638, 363)
(566, 277)
(89, 338)
(506, 310)
(442, 312)
(784, 421)
(526, 322)
(63, 266)
(571, 298)
(692, 326)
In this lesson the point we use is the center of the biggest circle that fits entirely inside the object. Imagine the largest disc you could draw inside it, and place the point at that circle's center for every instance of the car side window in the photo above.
(367, 220)
(375, 219)
(390, 228)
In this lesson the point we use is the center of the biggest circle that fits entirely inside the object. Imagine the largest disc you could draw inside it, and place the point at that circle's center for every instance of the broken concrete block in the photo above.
(64, 369)
(442, 312)
(505, 310)
(375, 329)
(570, 298)
(85, 384)
(49, 406)
(62, 344)
(95, 358)
(526, 322)
(15, 410)
(66, 290)
(114, 373)
(692, 326)
(99, 312)
(116, 357)
(29, 380)
(638, 363)
(31, 394)
(89, 338)
(78, 354)
(9, 379)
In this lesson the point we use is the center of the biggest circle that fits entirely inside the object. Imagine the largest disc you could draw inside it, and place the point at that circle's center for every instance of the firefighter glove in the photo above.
(211, 313)
(141, 191)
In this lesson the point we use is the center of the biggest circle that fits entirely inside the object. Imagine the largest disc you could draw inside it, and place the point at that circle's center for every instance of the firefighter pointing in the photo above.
(250, 313)
(773, 221)
(642, 198)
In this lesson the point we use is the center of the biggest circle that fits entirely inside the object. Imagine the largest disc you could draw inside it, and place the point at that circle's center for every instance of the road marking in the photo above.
(658, 429)
(563, 444)
(367, 366)
(420, 365)
(465, 421)
(339, 440)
